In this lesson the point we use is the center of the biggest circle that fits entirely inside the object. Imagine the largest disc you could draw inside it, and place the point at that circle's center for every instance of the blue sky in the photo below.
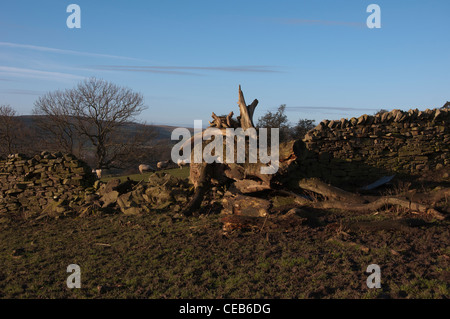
(188, 57)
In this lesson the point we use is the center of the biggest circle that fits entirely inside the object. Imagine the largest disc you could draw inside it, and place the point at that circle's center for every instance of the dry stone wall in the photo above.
(45, 184)
(55, 185)
(360, 150)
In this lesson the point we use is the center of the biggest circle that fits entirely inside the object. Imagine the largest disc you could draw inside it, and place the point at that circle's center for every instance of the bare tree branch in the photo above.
(93, 111)
(7, 126)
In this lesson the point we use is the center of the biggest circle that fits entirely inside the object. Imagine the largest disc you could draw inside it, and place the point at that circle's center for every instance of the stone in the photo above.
(109, 198)
(362, 119)
(132, 211)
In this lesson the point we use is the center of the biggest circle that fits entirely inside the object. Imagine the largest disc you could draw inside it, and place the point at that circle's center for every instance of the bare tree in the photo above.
(8, 126)
(94, 111)
(57, 124)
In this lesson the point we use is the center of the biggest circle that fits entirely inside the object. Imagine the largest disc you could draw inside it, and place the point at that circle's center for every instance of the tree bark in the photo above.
(246, 117)
(329, 191)
(250, 186)
(201, 186)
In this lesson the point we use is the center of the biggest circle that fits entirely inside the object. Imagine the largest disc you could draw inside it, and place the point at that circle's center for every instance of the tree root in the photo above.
(380, 203)
(344, 200)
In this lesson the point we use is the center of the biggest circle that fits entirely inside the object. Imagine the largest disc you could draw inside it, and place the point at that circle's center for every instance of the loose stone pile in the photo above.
(161, 191)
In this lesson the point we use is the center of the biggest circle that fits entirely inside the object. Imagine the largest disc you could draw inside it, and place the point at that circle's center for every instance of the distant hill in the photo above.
(163, 132)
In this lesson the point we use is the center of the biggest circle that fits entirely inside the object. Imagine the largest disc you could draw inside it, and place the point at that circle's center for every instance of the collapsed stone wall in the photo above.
(55, 184)
(50, 183)
(360, 150)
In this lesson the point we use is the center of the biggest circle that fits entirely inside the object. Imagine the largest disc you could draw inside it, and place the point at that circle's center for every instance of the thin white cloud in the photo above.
(37, 74)
(183, 69)
(140, 69)
(321, 22)
(62, 51)
(326, 108)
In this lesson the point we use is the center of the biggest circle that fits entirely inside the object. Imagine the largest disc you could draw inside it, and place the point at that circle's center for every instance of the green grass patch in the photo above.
(176, 172)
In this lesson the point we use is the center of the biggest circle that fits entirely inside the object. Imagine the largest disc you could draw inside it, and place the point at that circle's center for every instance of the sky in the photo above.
(188, 58)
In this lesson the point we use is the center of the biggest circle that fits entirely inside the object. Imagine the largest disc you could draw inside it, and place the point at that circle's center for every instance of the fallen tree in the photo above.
(247, 179)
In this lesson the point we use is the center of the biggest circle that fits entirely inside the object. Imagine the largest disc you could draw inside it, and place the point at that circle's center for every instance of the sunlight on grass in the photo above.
(176, 172)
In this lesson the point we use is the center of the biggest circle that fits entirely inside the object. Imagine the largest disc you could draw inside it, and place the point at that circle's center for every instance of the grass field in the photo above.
(160, 256)
(176, 172)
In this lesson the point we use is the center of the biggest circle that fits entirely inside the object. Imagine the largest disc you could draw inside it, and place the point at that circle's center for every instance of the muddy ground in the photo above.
(313, 254)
